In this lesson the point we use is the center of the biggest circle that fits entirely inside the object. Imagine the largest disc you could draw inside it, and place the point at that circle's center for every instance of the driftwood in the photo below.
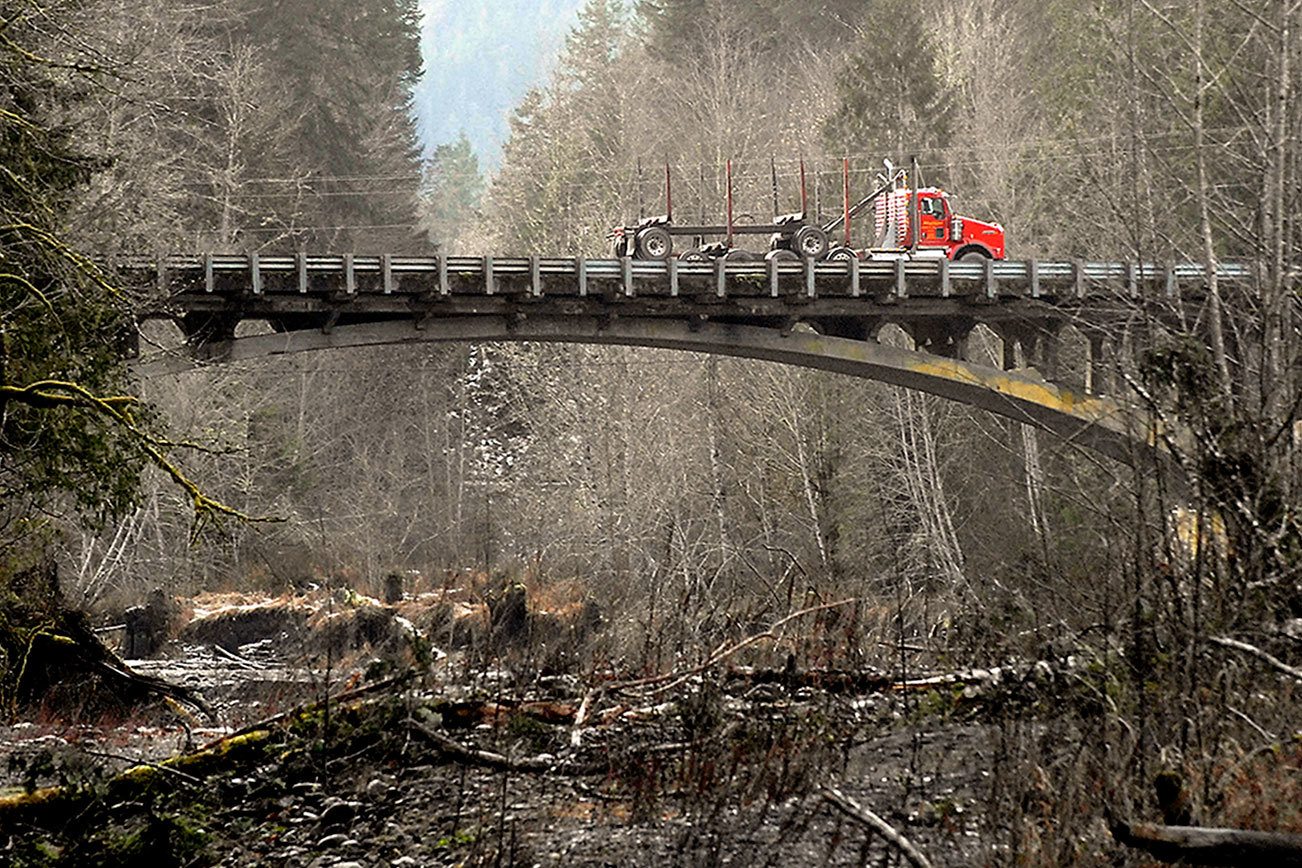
(851, 682)
(858, 812)
(246, 746)
(1193, 846)
(540, 764)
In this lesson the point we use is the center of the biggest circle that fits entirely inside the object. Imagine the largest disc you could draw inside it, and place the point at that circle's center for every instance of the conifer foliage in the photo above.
(63, 430)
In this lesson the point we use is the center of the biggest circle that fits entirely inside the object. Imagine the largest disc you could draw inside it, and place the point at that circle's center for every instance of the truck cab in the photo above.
(940, 230)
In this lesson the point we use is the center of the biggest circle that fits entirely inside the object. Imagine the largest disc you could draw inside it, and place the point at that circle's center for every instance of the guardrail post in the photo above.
(773, 278)
(535, 276)
(488, 275)
(626, 267)
(160, 275)
(673, 276)
(581, 266)
(992, 291)
(854, 277)
(386, 267)
(1078, 278)
(444, 289)
(1132, 279)
(255, 273)
(720, 278)
(300, 262)
(944, 277)
(1172, 284)
(1034, 266)
(901, 288)
(207, 273)
(350, 274)
(809, 278)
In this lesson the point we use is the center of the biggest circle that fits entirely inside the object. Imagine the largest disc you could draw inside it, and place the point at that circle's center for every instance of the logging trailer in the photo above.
(909, 223)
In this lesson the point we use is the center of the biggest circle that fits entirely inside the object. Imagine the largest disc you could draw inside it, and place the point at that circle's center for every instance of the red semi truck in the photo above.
(908, 222)
(938, 228)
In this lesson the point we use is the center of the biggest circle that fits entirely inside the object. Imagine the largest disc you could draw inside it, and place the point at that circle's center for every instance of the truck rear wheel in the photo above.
(842, 254)
(809, 242)
(654, 242)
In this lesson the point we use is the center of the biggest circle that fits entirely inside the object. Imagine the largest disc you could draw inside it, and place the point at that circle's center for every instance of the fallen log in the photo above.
(1190, 845)
(246, 746)
(59, 800)
(852, 682)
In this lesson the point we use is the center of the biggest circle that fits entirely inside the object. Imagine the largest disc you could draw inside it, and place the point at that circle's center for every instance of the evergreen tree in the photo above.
(559, 188)
(782, 28)
(891, 96)
(62, 326)
(453, 189)
(344, 70)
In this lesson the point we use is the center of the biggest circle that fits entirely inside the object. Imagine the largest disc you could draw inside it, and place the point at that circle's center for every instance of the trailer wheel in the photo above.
(841, 254)
(654, 242)
(736, 255)
(693, 256)
(781, 255)
(809, 242)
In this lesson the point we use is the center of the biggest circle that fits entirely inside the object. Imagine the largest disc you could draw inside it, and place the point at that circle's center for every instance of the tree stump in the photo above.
(394, 588)
(508, 615)
(148, 626)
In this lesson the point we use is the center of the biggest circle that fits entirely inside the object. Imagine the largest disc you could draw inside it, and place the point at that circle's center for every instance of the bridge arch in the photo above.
(1093, 422)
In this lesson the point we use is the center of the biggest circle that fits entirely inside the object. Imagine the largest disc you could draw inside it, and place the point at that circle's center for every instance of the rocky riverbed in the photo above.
(480, 759)
(717, 771)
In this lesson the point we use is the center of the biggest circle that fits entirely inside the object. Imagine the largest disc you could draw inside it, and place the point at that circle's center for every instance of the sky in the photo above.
(481, 56)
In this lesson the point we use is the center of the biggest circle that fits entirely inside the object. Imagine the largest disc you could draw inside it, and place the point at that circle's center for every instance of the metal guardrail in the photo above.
(210, 273)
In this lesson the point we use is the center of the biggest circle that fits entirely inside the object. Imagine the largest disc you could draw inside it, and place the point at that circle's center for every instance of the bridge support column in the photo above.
(1009, 337)
(1047, 358)
(1096, 373)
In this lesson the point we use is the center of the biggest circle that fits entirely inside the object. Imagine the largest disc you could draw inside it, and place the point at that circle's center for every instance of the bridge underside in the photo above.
(1093, 422)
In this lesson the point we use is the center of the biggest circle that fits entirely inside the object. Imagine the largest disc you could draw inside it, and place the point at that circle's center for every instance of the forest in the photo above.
(752, 589)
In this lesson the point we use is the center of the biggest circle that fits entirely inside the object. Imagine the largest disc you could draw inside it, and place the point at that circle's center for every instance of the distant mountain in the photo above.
(480, 58)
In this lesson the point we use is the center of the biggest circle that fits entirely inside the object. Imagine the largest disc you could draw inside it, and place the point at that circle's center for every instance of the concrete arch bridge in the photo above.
(824, 315)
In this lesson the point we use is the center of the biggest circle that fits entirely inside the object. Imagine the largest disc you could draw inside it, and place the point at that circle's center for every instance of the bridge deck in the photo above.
(538, 276)
(213, 292)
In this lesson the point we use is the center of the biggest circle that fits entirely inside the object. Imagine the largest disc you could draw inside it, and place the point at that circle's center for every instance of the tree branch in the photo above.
(1226, 642)
(859, 813)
